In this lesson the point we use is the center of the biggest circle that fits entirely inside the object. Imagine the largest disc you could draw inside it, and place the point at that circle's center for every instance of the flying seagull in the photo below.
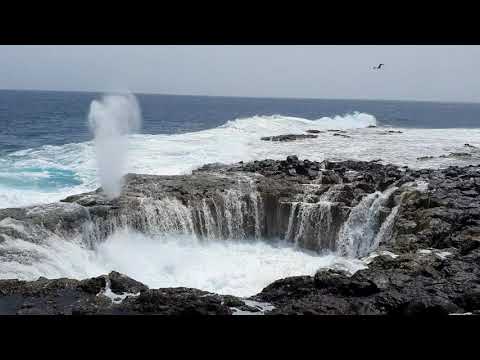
(378, 67)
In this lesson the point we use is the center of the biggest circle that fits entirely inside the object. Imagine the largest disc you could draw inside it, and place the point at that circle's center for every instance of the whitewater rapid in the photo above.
(50, 173)
(240, 268)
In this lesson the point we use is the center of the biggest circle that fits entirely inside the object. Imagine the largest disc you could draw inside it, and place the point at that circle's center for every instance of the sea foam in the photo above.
(50, 173)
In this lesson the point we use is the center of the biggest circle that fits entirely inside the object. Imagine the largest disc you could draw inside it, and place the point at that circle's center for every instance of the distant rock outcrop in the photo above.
(289, 137)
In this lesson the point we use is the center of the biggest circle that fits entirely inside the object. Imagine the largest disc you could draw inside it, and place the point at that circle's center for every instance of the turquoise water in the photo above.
(46, 150)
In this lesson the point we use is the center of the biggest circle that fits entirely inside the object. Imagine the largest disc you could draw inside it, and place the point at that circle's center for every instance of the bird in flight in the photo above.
(378, 67)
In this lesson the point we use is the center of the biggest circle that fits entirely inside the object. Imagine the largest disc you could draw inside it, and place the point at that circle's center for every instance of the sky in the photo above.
(422, 73)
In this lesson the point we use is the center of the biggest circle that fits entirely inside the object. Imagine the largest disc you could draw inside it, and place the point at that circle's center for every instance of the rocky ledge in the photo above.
(112, 294)
(429, 264)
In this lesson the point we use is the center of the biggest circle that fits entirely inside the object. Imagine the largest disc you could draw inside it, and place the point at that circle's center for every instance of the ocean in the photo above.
(46, 150)
(47, 154)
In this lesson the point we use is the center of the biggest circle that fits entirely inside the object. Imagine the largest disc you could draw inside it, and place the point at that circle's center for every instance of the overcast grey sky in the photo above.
(438, 73)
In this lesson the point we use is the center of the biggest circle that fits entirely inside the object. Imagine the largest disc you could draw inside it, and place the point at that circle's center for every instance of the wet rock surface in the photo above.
(471, 152)
(389, 132)
(435, 241)
(437, 268)
(341, 135)
(426, 157)
(457, 155)
(288, 137)
(89, 297)
(410, 284)
(120, 284)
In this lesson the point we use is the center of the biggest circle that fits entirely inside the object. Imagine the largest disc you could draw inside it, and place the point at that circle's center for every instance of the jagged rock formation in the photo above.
(431, 265)
(303, 202)
(429, 218)
(100, 296)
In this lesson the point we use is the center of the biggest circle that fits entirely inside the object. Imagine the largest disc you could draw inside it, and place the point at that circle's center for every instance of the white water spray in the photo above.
(362, 232)
(112, 119)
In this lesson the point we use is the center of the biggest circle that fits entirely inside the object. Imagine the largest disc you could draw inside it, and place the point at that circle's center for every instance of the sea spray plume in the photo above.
(112, 119)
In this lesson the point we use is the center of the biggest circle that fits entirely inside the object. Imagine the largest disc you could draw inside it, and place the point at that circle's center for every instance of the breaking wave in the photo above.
(50, 173)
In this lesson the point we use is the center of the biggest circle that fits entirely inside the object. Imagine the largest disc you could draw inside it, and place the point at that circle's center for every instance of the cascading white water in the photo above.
(211, 230)
(317, 223)
(311, 222)
(152, 217)
(386, 230)
(112, 119)
(358, 235)
(234, 210)
(256, 200)
(176, 247)
(209, 243)
(236, 213)
(241, 268)
(291, 220)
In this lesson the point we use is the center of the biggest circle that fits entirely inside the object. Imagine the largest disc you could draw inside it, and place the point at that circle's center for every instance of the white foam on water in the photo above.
(368, 259)
(466, 313)
(443, 254)
(52, 259)
(25, 165)
(240, 268)
(424, 251)
(237, 140)
(421, 185)
(438, 253)
(115, 298)
(13, 224)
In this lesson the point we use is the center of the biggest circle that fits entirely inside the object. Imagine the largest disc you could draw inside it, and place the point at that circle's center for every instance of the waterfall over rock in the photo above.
(321, 223)
(335, 211)
(231, 213)
(314, 220)
(359, 233)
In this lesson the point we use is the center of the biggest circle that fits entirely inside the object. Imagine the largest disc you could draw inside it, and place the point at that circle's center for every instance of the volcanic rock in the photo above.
(342, 135)
(289, 137)
(120, 284)
(428, 265)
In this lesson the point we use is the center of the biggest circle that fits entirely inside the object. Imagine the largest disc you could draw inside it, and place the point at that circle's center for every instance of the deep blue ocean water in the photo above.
(29, 119)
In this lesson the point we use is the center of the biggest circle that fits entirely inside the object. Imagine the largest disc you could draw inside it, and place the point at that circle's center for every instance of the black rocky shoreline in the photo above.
(429, 265)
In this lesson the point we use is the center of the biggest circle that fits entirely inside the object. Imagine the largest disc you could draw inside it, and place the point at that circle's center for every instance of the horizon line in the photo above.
(245, 97)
